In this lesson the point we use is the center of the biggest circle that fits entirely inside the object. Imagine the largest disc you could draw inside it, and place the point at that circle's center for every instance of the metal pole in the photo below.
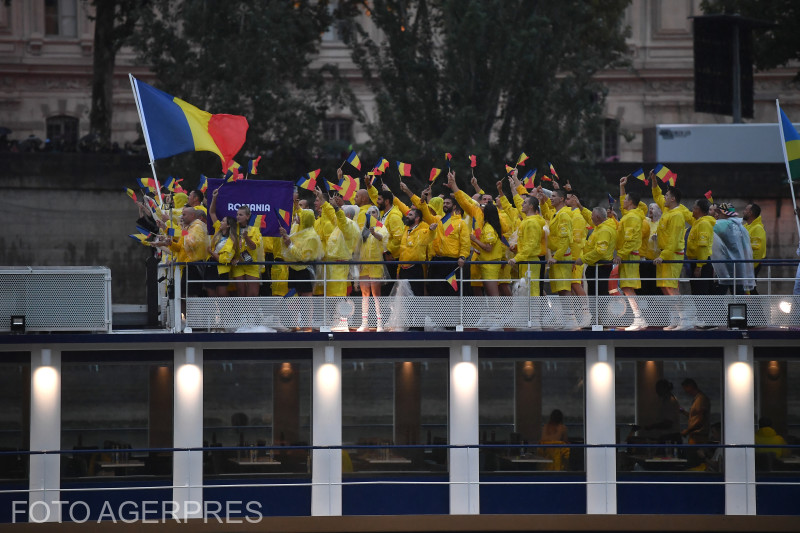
(737, 76)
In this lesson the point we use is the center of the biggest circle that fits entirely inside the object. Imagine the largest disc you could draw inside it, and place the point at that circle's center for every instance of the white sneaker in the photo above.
(380, 326)
(364, 325)
(340, 329)
(671, 327)
(586, 320)
(570, 323)
(684, 325)
(638, 323)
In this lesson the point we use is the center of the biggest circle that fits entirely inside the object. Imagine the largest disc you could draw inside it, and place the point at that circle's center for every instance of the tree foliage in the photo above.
(115, 23)
(251, 58)
(488, 77)
(774, 46)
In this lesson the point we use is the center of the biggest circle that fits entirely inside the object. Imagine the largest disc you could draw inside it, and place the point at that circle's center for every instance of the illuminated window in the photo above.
(518, 398)
(777, 409)
(253, 402)
(394, 402)
(653, 407)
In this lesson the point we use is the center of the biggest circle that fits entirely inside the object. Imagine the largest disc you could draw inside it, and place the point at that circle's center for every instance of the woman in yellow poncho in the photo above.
(304, 246)
(250, 249)
(374, 238)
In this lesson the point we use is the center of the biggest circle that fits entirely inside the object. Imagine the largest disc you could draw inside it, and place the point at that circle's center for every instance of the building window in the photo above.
(110, 406)
(394, 402)
(609, 142)
(653, 407)
(15, 378)
(61, 18)
(338, 129)
(255, 403)
(777, 409)
(334, 32)
(518, 398)
(62, 132)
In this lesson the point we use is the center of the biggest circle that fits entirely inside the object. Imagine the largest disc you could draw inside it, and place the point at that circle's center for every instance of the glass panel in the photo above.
(15, 381)
(256, 405)
(525, 402)
(778, 412)
(111, 413)
(656, 403)
(385, 403)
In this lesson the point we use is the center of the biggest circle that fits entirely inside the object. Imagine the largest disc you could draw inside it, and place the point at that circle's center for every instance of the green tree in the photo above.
(773, 46)
(115, 22)
(488, 77)
(251, 58)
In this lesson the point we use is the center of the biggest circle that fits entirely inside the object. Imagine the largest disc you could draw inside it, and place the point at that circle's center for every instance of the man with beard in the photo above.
(451, 242)
(413, 247)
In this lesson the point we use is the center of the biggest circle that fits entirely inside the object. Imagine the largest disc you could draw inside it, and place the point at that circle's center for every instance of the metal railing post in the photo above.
(178, 324)
(461, 299)
(596, 290)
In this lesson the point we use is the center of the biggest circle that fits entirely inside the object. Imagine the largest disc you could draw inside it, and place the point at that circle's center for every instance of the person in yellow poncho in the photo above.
(223, 249)
(340, 244)
(758, 236)
(302, 246)
(698, 247)
(529, 244)
(599, 251)
(374, 238)
(629, 242)
(251, 248)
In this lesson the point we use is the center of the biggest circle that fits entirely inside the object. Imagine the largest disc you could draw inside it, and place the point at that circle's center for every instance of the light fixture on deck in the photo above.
(737, 316)
(17, 324)
(785, 306)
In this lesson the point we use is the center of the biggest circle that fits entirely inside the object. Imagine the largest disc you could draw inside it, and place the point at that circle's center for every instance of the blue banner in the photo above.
(263, 198)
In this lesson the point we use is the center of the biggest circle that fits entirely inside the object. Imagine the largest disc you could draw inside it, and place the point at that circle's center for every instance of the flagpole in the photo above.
(788, 171)
(135, 90)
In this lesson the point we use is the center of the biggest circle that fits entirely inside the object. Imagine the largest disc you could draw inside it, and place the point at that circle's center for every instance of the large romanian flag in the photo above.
(792, 140)
(172, 126)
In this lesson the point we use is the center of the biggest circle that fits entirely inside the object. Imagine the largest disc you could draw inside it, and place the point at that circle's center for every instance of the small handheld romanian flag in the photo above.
(473, 161)
(131, 193)
(665, 174)
(639, 175)
(203, 185)
(452, 279)
(709, 197)
(522, 159)
(553, 171)
(234, 174)
(529, 178)
(147, 183)
(309, 181)
(354, 160)
(448, 156)
(611, 200)
(258, 221)
(434, 174)
(381, 166)
(138, 237)
(404, 168)
(290, 293)
(285, 217)
(509, 170)
(169, 184)
(348, 187)
(252, 166)
(372, 222)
